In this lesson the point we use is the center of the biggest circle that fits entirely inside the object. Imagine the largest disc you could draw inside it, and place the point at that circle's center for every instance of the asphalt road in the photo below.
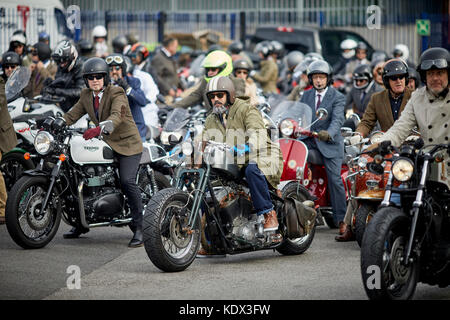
(109, 270)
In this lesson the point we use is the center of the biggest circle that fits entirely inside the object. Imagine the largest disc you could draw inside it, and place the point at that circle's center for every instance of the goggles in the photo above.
(438, 63)
(116, 59)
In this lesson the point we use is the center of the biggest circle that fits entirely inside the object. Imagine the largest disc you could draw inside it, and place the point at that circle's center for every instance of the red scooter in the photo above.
(304, 169)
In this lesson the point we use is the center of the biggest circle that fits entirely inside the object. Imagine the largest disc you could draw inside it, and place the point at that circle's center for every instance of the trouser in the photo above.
(128, 167)
(3, 193)
(259, 189)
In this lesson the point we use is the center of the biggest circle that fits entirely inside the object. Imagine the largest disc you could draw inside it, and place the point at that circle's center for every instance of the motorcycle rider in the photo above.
(359, 58)
(44, 37)
(10, 62)
(384, 109)
(301, 77)
(103, 101)
(286, 82)
(348, 47)
(232, 121)
(428, 108)
(401, 51)
(329, 142)
(236, 51)
(18, 44)
(241, 69)
(85, 49)
(40, 54)
(216, 63)
(100, 35)
(8, 141)
(68, 81)
(119, 44)
(267, 77)
(131, 86)
(377, 71)
(363, 88)
(414, 79)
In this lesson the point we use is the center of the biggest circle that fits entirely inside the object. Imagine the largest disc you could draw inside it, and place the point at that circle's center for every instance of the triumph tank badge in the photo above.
(91, 149)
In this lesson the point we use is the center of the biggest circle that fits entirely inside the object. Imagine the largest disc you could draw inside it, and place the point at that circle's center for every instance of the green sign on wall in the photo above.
(423, 27)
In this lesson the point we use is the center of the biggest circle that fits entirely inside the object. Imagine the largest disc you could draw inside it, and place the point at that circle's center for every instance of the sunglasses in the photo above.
(242, 72)
(9, 67)
(438, 63)
(116, 59)
(115, 68)
(395, 78)
(213, 95)
(94, 76)
(211, 69)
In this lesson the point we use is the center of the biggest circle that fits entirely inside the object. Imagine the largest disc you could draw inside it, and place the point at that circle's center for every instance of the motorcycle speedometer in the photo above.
(43, 143)
(403, 169)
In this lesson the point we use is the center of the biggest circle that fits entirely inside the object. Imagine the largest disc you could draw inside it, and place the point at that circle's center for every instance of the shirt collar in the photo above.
(166, 52)
(322, 93)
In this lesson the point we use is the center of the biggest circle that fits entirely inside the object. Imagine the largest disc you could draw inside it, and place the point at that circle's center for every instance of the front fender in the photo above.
(36, 173)
(16, 150)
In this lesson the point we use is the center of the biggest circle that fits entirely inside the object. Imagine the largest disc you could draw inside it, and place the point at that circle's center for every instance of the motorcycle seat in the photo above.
(315, 157)
(145, 158)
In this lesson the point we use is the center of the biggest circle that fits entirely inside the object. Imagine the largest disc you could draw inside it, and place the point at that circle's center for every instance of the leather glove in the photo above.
(372, 147)
(323, 135)
(92, 133)
(49, 91)
(123, 83)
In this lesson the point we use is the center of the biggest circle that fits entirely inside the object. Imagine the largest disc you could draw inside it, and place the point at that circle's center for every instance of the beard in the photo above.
(219, 108)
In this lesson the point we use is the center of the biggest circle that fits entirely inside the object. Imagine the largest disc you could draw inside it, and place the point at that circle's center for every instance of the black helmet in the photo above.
(221, 84)
(278, 48)
(119, 43)
(11, 58)
(96, 66)
(85, 46)
(433, 58)
(116, 59)
(362, 72)
(320, 67)
(265, 47)
(43, 50)
(241, 64)
(394, 67)
(65, 52)
(412, 74)
(235, 47)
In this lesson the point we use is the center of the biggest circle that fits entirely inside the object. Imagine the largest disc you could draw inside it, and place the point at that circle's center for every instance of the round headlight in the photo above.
(43, 142)
(187, 148)
(402, 169)
(287, 128)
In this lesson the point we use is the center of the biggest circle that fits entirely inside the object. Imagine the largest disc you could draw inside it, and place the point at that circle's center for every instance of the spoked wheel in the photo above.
(28, 225)
(299, 245)
(12, 166)
(168, 244)
(384, 274)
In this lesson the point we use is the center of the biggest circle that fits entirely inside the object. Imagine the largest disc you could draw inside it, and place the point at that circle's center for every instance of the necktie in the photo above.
(96, 104)
(363, 95)
(318, 102)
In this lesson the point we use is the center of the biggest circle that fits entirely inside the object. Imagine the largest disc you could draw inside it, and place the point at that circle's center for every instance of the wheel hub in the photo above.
(37, 219)
(180, 239)
(399, 270)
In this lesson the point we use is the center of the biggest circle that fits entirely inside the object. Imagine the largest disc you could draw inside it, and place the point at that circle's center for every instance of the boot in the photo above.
(138, 239)
(348, 235)
(342, 228)
(75, 232)
(271, 222)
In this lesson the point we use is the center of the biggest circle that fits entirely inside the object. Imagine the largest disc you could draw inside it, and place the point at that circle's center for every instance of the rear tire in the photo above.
(299, 245)
(168, 247)
(27, 226)
(381, 250)
(364, 213)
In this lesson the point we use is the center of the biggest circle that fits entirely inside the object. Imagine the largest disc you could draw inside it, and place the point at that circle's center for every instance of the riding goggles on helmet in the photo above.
(116, 59)
(438, 63)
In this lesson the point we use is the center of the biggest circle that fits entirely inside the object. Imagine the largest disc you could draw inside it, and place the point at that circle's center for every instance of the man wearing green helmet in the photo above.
(216, 63)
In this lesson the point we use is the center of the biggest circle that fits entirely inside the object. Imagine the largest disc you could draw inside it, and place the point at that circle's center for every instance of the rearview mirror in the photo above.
(321, 114)
(107, 126)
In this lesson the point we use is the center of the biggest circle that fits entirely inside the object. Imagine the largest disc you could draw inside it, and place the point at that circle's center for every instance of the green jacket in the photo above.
(268, 76)
(244, 124)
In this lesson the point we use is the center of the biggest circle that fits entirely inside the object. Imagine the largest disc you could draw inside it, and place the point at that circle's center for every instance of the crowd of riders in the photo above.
(375, 87)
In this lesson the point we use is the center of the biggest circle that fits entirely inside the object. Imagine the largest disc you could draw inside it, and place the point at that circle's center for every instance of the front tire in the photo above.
(382, 250)
(169, 247)
(299, 245)
(27, 225)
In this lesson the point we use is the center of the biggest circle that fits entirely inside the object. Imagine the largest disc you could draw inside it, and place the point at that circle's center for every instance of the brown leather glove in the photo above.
(323, 135)
(372, 147)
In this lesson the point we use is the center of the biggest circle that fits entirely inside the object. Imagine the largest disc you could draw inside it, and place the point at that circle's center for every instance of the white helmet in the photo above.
(348, 44)
(18, 38)
(99, 32)
(401, 51)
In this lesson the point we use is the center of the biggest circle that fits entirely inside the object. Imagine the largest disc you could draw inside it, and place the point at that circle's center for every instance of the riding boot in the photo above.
(75, 232)
(138, 239)
(271, 222)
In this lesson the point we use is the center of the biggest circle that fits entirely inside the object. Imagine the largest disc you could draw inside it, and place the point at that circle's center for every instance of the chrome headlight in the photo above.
(43, 143)
(187, 148)
(287, 128)
(402, 169)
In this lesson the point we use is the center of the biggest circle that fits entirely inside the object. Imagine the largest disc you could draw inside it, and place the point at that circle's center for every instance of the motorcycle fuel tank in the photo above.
(90, 151)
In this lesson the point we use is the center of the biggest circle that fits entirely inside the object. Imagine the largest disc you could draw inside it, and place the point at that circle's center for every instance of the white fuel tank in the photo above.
(90, 151)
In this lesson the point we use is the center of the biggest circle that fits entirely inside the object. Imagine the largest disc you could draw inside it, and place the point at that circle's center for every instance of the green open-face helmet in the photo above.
(218, 59)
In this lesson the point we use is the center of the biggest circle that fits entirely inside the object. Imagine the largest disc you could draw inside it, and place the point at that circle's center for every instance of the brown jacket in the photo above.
(268, 76)
(125, 138)
(36, 83)
(8, 138)
(379, 109)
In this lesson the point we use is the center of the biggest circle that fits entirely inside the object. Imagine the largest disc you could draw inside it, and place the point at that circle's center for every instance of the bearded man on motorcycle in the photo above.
(429, 106)
(329, 142)
(103, 101)
(68, 79)
(233, 120)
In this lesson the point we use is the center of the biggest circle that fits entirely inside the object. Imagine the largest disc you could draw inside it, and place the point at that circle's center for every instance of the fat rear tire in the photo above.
(362, 215)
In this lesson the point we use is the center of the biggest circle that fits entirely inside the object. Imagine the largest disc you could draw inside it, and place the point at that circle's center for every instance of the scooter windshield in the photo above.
(294, 110)
(17, 82)
(176, 120)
